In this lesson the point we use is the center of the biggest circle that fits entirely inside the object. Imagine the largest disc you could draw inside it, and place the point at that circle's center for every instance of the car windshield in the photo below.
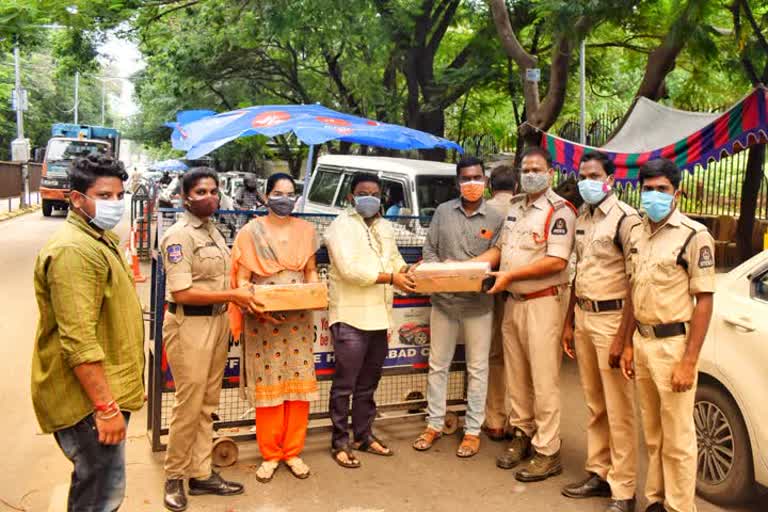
(432, 191)
(71, 149)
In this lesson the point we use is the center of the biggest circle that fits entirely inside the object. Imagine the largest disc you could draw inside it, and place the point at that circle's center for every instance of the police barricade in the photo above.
(401, 392)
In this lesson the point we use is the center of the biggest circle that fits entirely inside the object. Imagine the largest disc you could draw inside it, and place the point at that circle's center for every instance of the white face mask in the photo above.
(108, 212)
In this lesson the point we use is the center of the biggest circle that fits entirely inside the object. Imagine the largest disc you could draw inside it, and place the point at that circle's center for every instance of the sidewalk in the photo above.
(10, 208)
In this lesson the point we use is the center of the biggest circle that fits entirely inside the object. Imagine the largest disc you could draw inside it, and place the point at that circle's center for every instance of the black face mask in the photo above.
(282, 205)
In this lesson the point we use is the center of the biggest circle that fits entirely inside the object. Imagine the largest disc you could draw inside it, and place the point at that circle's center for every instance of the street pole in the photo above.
(582, 92)
(20, 123)
(19, 110)
(77, 93)
(307, 178)
(103, 94)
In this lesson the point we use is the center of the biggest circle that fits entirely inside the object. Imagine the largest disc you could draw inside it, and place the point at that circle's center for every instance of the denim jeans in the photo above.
(476, 333)
(98, 479)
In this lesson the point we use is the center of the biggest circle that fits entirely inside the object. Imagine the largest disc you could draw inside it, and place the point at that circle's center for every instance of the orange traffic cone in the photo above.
(137, 277)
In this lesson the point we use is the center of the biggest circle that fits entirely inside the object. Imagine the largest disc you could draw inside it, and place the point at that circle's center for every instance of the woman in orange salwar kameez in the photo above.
(278, 368)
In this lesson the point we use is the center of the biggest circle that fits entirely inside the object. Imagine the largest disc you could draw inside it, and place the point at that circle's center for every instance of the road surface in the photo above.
(36, 474)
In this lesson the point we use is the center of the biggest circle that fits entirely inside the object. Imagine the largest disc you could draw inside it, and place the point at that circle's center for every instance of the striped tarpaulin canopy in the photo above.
(743, 125)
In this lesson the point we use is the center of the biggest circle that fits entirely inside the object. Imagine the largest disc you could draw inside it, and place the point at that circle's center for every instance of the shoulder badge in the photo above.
(174, 252)
(559, 227)
(705, 257)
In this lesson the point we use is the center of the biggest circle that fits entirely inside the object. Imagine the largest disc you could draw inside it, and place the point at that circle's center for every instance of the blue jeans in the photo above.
(444, 333)
(98, 480)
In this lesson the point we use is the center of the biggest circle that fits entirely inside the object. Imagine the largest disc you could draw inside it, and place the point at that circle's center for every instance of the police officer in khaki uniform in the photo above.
(502, 184)
(196, 335)
(534, 249)
(601, 312)
(672, 273)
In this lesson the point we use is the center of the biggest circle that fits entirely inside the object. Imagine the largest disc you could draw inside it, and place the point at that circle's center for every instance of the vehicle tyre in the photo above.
(224, 452)
(47, 208)
(724, 473)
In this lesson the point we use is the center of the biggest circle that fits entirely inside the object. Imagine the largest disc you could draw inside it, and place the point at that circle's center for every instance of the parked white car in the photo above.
(731, 410)
(419, 185)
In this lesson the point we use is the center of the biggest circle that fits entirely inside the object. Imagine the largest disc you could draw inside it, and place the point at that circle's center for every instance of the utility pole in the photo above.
(77, 93)
(20, 147)
(582, 92)
(103, 94)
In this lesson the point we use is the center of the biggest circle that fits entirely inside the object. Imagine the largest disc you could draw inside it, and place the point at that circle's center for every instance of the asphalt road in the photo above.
(36, 473)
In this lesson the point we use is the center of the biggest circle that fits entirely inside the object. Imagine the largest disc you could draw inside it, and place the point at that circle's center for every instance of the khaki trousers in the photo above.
(497, 404)
(532, 357)
(610, 398)
(668, 425)
(196, 348)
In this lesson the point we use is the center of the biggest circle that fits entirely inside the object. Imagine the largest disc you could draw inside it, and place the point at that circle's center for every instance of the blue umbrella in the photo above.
(312, 125)
(169, 165)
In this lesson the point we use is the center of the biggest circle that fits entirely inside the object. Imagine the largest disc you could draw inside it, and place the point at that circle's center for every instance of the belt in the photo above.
(210, 310)
(600, 306)
(546, 292)
(661, 330)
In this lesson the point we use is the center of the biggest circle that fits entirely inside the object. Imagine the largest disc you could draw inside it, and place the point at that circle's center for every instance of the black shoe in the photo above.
(174, 498)
(656, 507)
(214, 484)
(621, 506)
(591, 487)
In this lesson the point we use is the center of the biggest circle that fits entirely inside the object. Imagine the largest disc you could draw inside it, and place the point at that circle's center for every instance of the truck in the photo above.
(68, 142)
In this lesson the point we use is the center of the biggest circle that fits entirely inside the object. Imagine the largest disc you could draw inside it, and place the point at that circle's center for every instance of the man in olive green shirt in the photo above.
(88, 359)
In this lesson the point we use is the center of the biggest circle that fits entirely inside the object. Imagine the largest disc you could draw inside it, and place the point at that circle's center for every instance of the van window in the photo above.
(431, 191)
(324, 187)
(341, 201)
(390, 191)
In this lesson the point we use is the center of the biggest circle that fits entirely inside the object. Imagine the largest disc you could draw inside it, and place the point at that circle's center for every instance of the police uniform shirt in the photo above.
(533, 231)
(194, 251)
(602, 243)
(669, 267)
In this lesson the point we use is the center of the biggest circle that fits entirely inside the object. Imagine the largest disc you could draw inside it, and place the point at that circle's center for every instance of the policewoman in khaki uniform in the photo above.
(196, 335)
(601, 313)
(533, 251)
(672, 273)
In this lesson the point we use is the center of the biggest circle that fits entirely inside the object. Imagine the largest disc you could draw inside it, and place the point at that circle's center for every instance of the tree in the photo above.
(754, 59)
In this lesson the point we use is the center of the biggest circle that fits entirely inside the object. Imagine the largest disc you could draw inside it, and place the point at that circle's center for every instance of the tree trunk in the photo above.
(748, 207)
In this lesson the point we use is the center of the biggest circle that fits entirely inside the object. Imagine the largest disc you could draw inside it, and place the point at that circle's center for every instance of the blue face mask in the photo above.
(593, 191)
(367, 206)
(656, 204)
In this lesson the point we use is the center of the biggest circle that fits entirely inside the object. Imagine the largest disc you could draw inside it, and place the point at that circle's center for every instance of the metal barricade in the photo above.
(142, 211)
(402, 390)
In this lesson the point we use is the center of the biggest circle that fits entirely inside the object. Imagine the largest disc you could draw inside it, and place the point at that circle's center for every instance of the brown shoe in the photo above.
(494, 434)
(540, 467)
(427, 438)
(469, 446)
(518, 450)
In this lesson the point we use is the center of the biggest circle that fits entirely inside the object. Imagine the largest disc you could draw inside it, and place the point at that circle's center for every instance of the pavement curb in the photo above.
(19, 212)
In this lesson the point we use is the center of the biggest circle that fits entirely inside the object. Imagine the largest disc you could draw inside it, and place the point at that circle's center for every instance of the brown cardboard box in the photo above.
(292, 297)
(457, 276)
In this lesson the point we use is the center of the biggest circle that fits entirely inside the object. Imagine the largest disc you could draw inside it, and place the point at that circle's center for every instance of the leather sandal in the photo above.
(298, 468)
(368, 448)
(351, 463)
(469, 446)
(266, 471)
(427, 438)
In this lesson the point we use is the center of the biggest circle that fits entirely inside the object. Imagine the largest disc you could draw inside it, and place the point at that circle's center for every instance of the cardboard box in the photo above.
(457, 276)
(292, 297)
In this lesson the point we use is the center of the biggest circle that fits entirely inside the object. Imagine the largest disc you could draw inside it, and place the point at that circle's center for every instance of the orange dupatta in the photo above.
(253, 251)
